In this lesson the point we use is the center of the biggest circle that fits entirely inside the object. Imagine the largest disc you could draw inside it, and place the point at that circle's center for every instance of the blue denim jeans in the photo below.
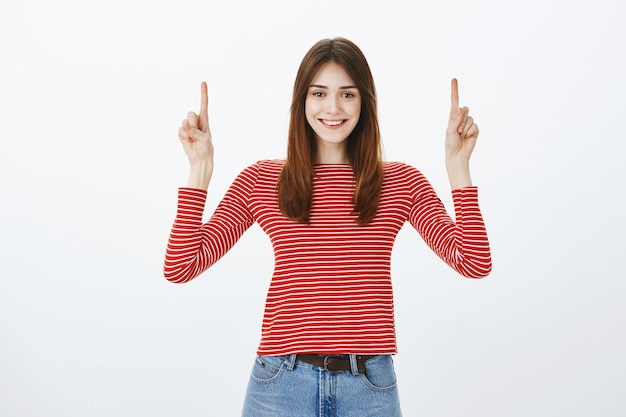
(281, 386)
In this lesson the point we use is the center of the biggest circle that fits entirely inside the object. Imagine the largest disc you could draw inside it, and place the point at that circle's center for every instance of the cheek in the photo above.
(309, 106)
(309, 112)
(359, 107)
(309, 119)
(356, 111)
(355, 108)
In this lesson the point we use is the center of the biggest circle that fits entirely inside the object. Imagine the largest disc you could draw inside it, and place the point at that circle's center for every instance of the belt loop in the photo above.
(353, 365)
(291, 361)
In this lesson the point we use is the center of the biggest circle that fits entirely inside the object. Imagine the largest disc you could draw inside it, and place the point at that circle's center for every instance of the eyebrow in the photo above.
(340, 88)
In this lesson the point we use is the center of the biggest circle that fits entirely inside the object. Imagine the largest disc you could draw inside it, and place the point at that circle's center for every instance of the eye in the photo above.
(348, 95)
(317, 94)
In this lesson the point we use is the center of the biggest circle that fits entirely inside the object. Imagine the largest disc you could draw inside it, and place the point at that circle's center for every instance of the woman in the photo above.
(332, 210)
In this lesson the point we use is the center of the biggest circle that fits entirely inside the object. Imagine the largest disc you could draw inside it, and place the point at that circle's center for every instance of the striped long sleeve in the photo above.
(193, 247)
(331, 289)
(463, 244)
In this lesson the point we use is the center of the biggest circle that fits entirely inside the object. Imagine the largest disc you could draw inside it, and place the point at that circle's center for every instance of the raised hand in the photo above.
(195, 135)
(462, 132)
(194, 132)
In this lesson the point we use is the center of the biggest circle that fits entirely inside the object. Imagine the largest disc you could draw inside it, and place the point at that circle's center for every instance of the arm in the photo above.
(463, 244)
(193, 247)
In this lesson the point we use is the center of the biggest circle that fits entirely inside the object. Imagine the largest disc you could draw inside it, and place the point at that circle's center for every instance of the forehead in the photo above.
(332, 74)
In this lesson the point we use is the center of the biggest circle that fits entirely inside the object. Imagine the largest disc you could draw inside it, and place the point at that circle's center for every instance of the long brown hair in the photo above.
(295, 184)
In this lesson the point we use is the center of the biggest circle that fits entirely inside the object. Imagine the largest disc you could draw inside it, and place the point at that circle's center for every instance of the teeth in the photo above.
(333, 122)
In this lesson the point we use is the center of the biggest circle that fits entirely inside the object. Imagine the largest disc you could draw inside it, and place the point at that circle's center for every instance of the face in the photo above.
(332, 105)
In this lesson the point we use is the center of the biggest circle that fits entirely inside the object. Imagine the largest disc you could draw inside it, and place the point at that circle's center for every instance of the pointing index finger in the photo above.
(204, 106)
(454, 98)
(204, 99)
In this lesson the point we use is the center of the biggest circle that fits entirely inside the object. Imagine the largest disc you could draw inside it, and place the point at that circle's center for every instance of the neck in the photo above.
(332, 154)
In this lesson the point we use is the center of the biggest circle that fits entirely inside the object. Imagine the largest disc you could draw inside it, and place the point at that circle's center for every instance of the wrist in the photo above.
(200, 173)
(458, 172)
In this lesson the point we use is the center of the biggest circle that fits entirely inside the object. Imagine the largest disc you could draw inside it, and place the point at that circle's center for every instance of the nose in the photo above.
(332, 104)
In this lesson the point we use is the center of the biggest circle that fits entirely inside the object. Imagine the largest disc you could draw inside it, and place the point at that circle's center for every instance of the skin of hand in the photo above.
(195, 136)
(461, 136)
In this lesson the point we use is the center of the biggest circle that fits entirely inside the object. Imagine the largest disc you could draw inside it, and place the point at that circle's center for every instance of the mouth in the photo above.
(332, 123)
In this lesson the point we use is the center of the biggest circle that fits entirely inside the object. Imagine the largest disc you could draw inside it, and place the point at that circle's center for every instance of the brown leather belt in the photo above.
(336, 363)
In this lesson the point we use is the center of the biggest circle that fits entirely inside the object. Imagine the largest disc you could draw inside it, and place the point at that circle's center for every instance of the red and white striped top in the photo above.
(331, 290)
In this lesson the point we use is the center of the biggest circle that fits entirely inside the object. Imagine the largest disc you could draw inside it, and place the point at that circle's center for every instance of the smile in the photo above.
(332, 123)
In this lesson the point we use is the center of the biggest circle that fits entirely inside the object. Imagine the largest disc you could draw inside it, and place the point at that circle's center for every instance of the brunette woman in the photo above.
(332, 210)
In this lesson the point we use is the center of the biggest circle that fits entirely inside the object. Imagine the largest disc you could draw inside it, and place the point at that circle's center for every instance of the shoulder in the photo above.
(270, 164)
(261, 172)
(264, 167)
(269, 169)
(402, 175)
(258, 175)
(400, 170)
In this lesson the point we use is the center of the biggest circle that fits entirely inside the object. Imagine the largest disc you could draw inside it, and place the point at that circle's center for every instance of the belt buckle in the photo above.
(326, 359)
